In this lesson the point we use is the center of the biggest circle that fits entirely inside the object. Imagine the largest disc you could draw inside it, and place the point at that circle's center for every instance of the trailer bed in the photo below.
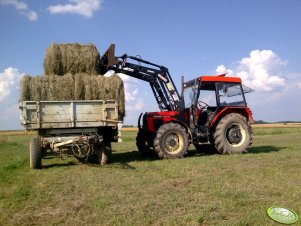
(37, 115)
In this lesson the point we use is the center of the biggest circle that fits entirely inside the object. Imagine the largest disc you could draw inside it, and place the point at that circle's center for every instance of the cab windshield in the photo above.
(232, 94)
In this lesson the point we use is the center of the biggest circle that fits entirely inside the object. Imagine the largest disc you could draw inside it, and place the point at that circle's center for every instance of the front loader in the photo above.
(209, 110)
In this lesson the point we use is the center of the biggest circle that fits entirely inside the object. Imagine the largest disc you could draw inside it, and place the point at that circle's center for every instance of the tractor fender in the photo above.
(246, 112)
(185, 126)
(139, 121)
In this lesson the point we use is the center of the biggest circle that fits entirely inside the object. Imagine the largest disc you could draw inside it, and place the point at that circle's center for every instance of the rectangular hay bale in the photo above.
(73, 87)
(71, 58)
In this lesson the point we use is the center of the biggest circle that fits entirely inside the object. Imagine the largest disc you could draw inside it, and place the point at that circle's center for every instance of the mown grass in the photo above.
(276, 131)
(196, 190)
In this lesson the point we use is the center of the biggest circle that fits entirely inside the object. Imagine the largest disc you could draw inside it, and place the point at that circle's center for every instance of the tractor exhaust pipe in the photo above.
(182, 87)
(182, 101)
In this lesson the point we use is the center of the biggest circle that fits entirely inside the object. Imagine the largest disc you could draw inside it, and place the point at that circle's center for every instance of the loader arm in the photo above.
(161, 83)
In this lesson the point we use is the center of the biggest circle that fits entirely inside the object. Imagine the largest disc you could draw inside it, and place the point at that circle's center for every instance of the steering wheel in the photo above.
(202, 105)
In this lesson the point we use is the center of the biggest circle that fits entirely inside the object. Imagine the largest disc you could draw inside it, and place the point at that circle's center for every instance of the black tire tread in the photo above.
(219, 139)
(105, 154)
(161, 131)
(35, 153)
(142, 147)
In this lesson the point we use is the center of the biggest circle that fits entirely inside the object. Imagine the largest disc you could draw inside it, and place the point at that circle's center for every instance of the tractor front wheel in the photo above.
(171, 141)
(233, 134)
(143, 147)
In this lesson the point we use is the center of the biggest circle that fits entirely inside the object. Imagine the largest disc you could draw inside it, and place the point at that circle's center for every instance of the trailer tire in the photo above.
(171, 141)
(35, 153)
(233, 134)
(105, 153)
(143, 146)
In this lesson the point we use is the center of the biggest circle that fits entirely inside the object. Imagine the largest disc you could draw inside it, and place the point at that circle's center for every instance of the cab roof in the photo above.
(205, 79)
(219, 78)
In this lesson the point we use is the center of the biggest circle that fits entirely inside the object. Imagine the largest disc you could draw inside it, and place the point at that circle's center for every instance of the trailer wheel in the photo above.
(105, 153)
(171, 141)
(142, 145)
(233, 134)
(35, 153)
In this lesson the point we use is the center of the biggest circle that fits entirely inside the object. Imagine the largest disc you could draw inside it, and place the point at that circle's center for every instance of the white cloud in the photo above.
(81, 7)
(133, 101)
(138, 105)
(257, 70)
(9, 82)
(31, 15)
(9, 93)
(22, 8)
(275, 93)
(221, 69)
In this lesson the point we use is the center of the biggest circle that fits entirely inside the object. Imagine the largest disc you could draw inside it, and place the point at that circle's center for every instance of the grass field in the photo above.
(196, 190)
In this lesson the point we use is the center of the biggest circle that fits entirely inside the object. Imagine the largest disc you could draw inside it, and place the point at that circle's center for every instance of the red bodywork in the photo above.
(219, 78)
(153, 119)
(245, 111)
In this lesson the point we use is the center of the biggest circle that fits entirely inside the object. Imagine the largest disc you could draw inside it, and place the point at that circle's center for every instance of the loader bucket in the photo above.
(108, 59)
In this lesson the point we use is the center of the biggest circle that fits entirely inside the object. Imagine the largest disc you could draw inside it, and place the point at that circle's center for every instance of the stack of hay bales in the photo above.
(72, 73)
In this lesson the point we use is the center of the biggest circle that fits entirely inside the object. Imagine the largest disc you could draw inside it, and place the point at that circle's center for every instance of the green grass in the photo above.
(196, 190)
(276, 131)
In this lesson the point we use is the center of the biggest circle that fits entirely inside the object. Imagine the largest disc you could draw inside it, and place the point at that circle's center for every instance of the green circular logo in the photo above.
(282, 215)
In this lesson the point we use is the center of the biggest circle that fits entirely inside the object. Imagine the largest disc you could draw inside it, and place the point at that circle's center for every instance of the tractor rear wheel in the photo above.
(143, 146)
(35, 153)
(233, 134)
(171, 141)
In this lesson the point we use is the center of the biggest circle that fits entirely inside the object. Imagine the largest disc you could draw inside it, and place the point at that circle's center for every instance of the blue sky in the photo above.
(257, 40)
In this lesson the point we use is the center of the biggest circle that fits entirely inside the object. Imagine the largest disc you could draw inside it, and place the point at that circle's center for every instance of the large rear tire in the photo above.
(171, 141)
(35, 153)
(233, 134)
(143, 147)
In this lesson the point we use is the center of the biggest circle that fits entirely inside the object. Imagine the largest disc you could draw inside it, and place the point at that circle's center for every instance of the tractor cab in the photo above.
(208, 99)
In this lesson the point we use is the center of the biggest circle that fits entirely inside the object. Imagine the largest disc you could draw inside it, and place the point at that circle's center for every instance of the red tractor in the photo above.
(209, 110)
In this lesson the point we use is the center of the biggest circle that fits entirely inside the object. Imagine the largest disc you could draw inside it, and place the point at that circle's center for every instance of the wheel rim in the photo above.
(235, 134)
(173, 143)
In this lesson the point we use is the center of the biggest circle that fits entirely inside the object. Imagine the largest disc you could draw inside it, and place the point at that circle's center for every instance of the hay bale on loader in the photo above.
(71, 58)
(73, 87)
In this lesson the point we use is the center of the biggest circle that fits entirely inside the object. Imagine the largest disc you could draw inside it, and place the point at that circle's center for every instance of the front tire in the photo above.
(143, 146)
(171, 141)
(233, 134)
(35, 153)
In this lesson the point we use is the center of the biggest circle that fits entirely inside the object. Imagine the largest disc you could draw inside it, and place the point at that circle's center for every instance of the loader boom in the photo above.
(161, 83)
